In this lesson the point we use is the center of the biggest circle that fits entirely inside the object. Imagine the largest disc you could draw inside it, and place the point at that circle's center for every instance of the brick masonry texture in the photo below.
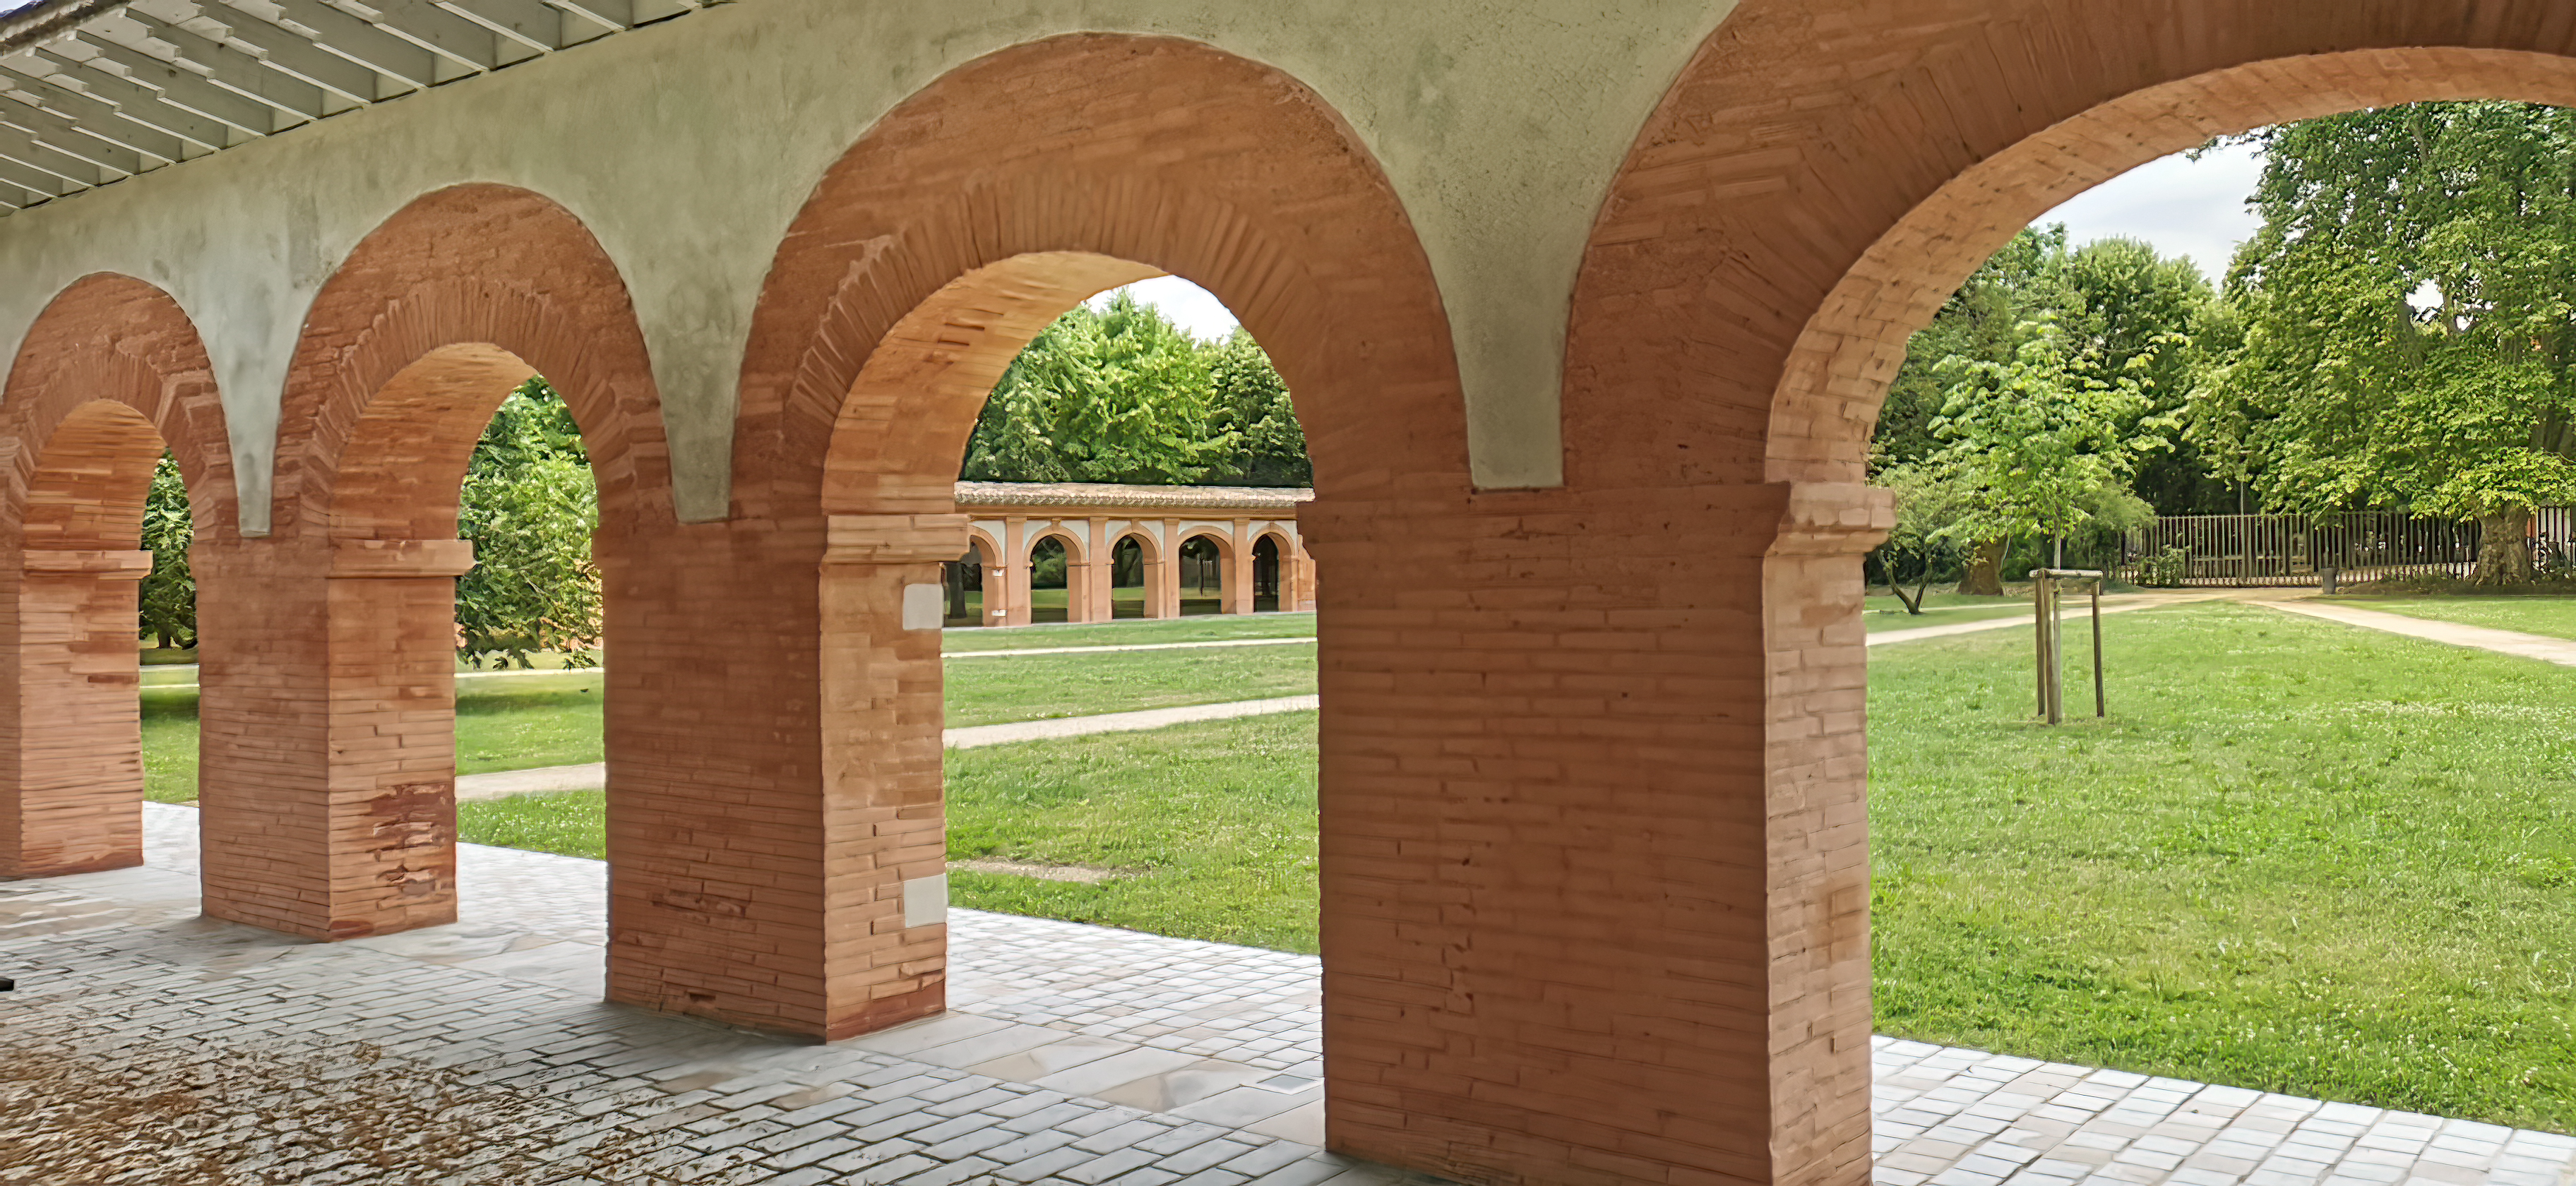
(1594, 850)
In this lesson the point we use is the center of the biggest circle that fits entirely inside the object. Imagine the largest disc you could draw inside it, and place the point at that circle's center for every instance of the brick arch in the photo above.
(1008, 190)
(328, 771)
(1817, 179)
(988, 550)
(110, 373)
(113, 339)
(420, 334)
(1223, 542)
(1798, 197)
(1073, 549)
(1145, 543)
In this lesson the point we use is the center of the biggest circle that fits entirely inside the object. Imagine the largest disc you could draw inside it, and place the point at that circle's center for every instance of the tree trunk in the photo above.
(1985, 575)
(2504, 548)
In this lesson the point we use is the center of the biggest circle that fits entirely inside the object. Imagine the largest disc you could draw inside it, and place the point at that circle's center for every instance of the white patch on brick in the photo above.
(925, 901)
(922, 607)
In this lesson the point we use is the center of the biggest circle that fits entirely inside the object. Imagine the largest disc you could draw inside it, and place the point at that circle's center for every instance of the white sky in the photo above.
(2183, 206)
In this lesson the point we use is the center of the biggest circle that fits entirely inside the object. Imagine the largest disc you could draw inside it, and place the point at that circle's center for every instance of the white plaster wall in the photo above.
(688, 146)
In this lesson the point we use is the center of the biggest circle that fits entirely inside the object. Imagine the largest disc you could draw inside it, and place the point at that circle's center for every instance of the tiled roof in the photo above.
(1281, 500)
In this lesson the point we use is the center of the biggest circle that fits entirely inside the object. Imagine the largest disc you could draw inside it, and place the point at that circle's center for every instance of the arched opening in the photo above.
(1054, 595)
(79, 769)
(419, 351)
(1203, 576)
(1265, 574)
(1751, 328)
(110, 394)
(1130, 581)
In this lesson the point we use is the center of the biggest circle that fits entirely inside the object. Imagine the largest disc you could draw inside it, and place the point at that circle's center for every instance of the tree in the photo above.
(530, 506)
(1252, 404)
(1929, 502)
(2407, 315)
(1115, 394)
(2038, 447)
(2137, 315)
(1983, 321)
(169, 594)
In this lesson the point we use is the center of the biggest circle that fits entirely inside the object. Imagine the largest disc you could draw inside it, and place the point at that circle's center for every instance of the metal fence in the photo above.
(2247, 551)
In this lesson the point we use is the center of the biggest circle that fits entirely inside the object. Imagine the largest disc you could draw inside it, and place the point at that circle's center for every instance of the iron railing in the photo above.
(2250, 551)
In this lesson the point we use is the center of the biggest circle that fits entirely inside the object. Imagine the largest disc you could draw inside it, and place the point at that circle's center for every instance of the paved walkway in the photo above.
(2504, 642)
(1884, 637)
(591, 776)
(145, 1039)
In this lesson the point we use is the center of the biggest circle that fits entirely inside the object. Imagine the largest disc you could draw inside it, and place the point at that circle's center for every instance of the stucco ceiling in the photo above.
(94, 91)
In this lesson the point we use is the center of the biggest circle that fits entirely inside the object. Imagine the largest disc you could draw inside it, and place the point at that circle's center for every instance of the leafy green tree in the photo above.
(2407, 314)
(1985, 320)
(1252, 404)
(1113, 394)
(169, 594)
(2136, 315)
(529, 506)
(2039, 448)
(1929, 505)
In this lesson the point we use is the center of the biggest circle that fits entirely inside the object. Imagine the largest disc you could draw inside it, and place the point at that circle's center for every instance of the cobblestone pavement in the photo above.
(1962, 1118)
(148, 1045)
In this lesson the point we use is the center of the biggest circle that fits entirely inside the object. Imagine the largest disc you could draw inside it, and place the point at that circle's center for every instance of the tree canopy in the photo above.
(1117, 393)
(529, 506)
(2406, 318)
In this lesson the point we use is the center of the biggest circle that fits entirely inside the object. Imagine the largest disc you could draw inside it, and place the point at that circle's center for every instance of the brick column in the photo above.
(776, 844)
(1168, 582)
(1296, 577)
(327, 777)
(71, 744)
(1015, 575)
(1100, 597)
(1236, 598)
(1593, 865)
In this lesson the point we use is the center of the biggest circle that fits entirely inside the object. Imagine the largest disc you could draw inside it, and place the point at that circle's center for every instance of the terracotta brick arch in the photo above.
(1073, 546)
(422, 331)
(808, 853)
(1799, 196)
(1146, 545)
(110, 374)
(1816, 182)
(329, 773)
(1019, 184)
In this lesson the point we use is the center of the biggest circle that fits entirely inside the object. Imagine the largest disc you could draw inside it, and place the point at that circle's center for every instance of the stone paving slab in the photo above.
(146, 1037)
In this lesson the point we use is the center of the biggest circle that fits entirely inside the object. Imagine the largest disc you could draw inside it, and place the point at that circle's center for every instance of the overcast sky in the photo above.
(2184, 207)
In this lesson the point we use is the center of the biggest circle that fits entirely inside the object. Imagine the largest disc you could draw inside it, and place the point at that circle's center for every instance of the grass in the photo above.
(1210, 826)
(540, 719)
(1131, 633)
(2552, 616)
(1036, 687)
(1885, 612)
(574, 823)
(2300, 857)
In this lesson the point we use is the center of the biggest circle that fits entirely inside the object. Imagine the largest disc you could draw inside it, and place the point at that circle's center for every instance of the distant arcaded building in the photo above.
(1173, 545)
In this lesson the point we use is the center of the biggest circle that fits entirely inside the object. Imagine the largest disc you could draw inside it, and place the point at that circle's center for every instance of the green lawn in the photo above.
(521, 721)
(1033, 687)
(1210, 828)
(2553, 616)
(1884, 612)
(1131, 633)
(1212, 823)
(2300, 857)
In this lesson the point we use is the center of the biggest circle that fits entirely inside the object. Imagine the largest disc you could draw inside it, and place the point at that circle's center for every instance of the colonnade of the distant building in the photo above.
(1127, 552)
